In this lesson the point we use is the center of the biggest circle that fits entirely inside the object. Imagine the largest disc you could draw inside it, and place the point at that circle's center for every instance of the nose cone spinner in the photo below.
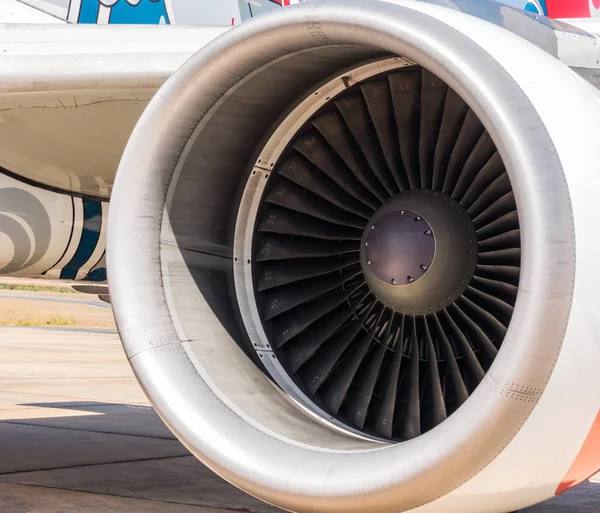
(418, 252)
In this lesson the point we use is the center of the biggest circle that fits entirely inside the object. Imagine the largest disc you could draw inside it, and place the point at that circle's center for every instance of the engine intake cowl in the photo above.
(293, 328)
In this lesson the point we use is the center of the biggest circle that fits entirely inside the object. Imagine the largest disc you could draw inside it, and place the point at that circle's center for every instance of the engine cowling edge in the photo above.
(195, 374)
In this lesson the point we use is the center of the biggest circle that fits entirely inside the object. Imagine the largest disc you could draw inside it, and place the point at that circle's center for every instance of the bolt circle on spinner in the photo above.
(399, 247)
(431, 250)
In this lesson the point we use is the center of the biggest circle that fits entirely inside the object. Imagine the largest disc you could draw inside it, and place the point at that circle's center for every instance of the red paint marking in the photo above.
(569, 8)
(587, 462)
(596, 3)
(233, 21)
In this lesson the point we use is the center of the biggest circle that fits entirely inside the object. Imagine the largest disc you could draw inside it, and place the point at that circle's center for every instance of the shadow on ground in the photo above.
(115, 450)
(94, 456)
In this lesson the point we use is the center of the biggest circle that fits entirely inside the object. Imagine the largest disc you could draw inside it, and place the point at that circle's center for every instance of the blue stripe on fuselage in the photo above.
(92, 224)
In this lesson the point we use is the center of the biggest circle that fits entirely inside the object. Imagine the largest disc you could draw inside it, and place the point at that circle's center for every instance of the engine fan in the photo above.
(386, 254)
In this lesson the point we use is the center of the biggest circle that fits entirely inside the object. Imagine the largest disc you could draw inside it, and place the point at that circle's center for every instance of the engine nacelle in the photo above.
(353, 260)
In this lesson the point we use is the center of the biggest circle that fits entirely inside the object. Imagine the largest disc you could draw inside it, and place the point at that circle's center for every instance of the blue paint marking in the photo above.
(96, 275)
(147, 12)
(88, 12)
(537, 7)
(92, 223)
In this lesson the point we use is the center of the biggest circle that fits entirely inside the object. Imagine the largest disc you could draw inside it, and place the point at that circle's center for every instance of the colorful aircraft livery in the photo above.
(119, 11)
(563, 8)
(232, 12)
(168, 11)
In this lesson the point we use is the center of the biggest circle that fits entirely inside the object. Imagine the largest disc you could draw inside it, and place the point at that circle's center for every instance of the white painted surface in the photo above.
(12, 11)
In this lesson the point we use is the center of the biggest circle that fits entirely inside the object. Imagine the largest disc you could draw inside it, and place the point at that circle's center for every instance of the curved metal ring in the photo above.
(297, 471)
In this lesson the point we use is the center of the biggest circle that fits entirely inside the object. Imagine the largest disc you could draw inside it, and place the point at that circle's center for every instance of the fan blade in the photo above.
(277, 247)
(438, 406)
(455, 110)
(476, 167)
(285, 222)
(303, 173)
(355, 114)
(286, 194)
(510, 256)
(503, 224)
(479, 338)
(411, 423)
(498, 208)
(452, 370)
(495, 191)
(504, 291)
(470, 133)
(332, 127)
(278, 273)
(280, 300)
(287, 326)
(319, 369)
(492, 170)
(385, 326)
(493, 328)
(495, 307)
(378, 98)
(433, 99)
(504, 273)
(511, 239)
(472, 366)
(406, 100)
(337, 386)
(312, 146)
(384, 417)
(356, 406)
(304, 346)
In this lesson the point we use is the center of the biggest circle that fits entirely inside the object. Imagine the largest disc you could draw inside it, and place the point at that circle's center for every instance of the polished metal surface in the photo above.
(202, 383)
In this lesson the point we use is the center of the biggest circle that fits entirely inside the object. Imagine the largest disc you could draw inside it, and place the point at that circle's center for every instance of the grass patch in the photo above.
(57, 320)
(37, 288)
(24, 322)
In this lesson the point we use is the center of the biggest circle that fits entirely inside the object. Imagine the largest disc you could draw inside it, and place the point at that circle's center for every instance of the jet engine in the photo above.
(353, 261)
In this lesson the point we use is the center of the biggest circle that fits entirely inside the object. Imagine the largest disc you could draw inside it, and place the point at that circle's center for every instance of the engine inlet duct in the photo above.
(387, 254)
(352, 257)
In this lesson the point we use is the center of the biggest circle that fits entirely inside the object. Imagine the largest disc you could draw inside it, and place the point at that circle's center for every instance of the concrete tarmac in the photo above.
(78, 435)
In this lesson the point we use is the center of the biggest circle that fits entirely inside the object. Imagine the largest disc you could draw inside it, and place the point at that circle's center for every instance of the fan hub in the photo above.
(399, 247)
(419, 252)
